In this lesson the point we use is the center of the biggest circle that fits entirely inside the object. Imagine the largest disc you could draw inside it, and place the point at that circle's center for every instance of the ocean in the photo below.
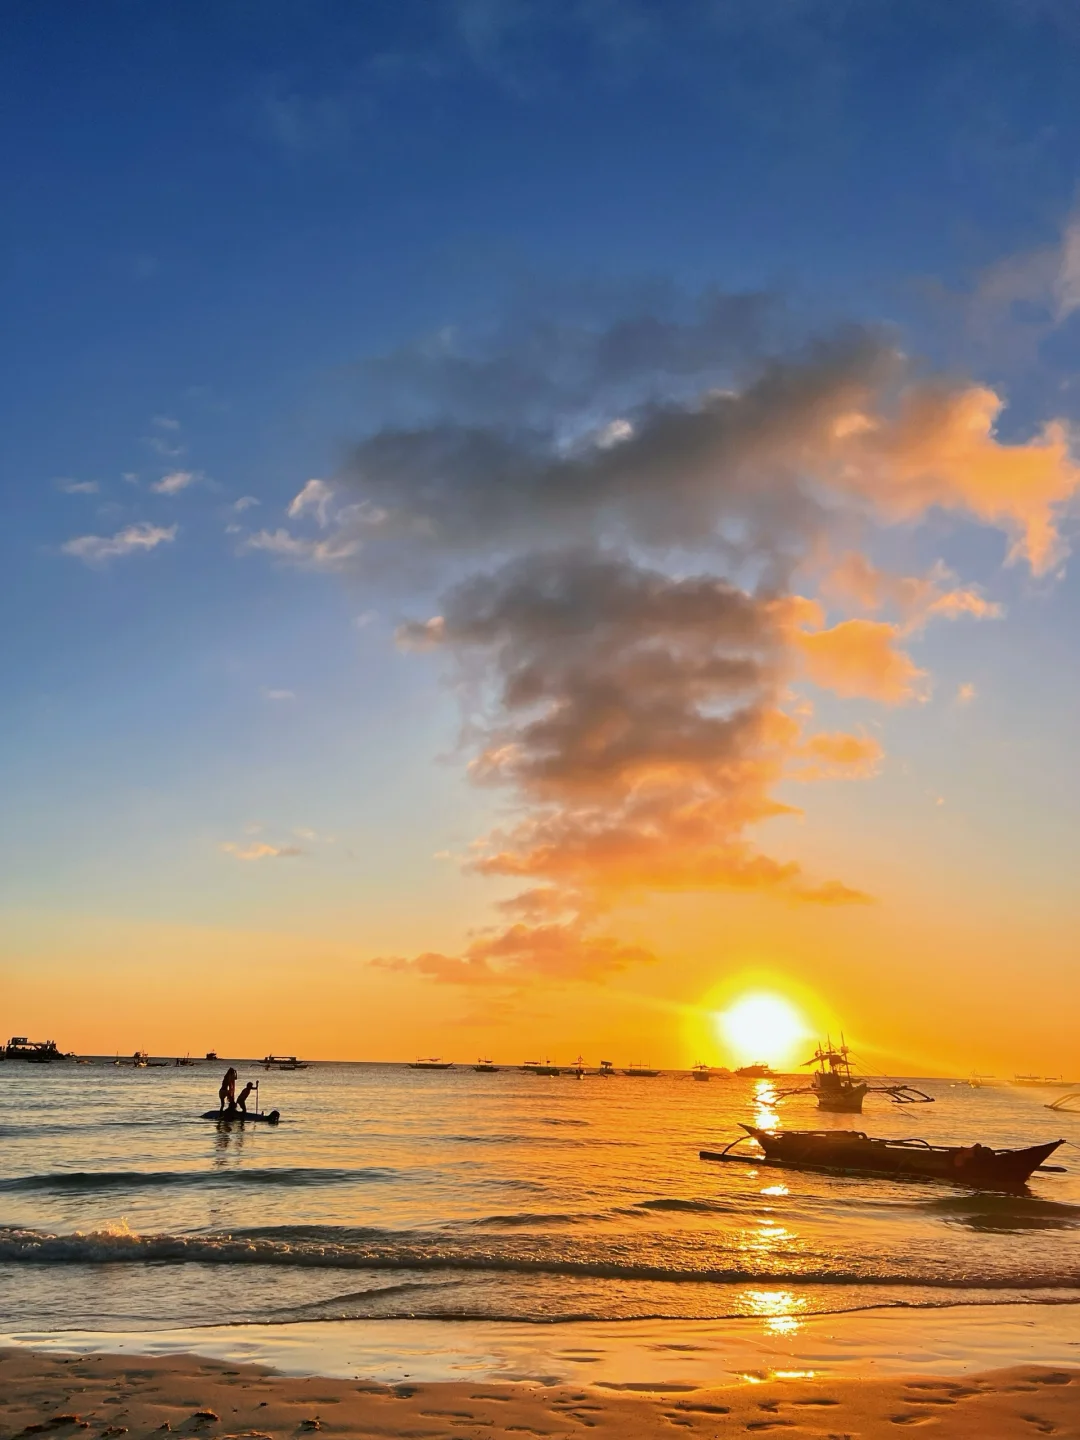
(416, 1196)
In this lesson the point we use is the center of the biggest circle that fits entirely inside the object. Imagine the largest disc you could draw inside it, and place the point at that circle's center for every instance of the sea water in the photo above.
(404, 1195)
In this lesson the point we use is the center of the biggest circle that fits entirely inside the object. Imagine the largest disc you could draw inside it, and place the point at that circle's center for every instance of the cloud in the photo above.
(838, 755)
(165, 422)
(330, 554)
(259, 850)
(244, 503)
(98, 549)
(635, 716)
(861, 658)
(279, 694)
(855, 582)
(746, 473)
(174, 482)
(616, 523)
(522, 954)
(316, 498)
(78, 487)
(966, 693)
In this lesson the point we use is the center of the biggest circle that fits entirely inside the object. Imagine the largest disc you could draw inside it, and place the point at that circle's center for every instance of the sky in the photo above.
(529, 521)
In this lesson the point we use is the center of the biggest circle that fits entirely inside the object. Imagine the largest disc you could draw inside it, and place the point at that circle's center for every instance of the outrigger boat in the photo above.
(486, 1067)
(534, 1067)
(701, 1072)
(641, 1072)
(838, 1090)
(434, 1063)
(852, 1152)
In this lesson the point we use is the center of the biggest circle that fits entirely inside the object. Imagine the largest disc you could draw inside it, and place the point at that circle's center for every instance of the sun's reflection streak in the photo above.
(765, 1116)
(779, 1310)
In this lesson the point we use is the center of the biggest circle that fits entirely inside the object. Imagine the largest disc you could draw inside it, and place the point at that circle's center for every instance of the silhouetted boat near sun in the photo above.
(641, 1072)
(607, 1067)
(701, 1072)
(534, 1067)
(758, 1071)
(840, 1091)
(434, 1063)
(851, 1152)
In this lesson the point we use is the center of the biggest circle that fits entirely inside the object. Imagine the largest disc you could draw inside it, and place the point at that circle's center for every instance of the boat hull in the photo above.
(237, 1117)
(853, 1152)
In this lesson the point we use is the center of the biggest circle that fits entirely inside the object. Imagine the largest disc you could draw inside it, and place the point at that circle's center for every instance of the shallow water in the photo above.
(387, 1192)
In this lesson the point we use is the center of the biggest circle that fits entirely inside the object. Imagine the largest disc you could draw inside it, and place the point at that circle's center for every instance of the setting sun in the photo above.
(761, 1027)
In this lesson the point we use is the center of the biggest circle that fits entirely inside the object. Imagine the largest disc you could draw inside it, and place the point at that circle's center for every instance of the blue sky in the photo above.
(220, 221)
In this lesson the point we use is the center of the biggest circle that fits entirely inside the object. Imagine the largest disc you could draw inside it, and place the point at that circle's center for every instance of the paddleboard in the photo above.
(271, 1117)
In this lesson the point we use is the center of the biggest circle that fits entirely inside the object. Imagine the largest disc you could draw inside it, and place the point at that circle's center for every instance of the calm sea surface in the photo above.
(393, 1193)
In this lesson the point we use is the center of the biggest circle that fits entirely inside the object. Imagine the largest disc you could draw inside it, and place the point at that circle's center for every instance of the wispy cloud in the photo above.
(99, 549)
(315, 498)
(245, 503)
(165, 422)
(278, 694)
(174, 482)
(329, 554)
(260, 850)
(78, 487)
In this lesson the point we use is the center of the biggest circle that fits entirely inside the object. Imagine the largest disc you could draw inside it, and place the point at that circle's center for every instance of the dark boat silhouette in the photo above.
(852, 1152)
(839, 1090)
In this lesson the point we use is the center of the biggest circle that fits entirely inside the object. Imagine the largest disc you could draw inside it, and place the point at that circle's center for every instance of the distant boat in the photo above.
(283, 1062)
(701, 1072)
(34, 1052)
(607, 1067)
(485, 1067)
(1045, 1082)
(434, 1063)
(641, 1072)
(851, 1152)
(534, 1067)
(211, 1054)
(840, 1091)
(185, 1060)
(579, 1068)
(758, 1071)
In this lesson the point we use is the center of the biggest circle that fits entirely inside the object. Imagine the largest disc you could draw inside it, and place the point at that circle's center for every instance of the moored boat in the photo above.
(701, 1072)
(758, 1071)
(641, 1072)
(283, 1062)
(839, 1090)
(852, 1152)
(485, 1067)
(432, 1063)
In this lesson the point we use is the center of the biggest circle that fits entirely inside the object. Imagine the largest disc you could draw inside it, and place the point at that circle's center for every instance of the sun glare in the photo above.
(761, 1027)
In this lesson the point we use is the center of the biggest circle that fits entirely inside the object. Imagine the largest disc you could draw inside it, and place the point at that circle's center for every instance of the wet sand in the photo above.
(109, 1396)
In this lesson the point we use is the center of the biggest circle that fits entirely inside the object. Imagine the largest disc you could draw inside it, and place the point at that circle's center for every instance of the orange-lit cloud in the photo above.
(861, 659)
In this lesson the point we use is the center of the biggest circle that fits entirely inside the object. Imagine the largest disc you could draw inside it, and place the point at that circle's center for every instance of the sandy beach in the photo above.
(109, 1396)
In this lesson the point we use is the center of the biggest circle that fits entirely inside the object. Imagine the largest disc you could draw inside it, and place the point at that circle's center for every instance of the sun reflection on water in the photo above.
(779, 1310)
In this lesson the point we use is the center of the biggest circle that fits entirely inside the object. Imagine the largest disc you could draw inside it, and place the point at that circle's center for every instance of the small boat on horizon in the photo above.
(485, 1067)
(211, 1054)
(283, 1062)
(701, 1072)
(607, 1067)
(757, 1071)
(640, 1072)
(534, 1067)
(1045, 1082)
(432, 1063)
(852, 1152)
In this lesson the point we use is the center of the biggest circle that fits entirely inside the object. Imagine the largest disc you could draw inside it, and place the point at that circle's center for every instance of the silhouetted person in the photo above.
(241, 1099)
(227, 1094)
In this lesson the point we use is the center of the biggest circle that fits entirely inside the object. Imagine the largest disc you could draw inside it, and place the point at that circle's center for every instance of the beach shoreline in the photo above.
(110, 1396)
